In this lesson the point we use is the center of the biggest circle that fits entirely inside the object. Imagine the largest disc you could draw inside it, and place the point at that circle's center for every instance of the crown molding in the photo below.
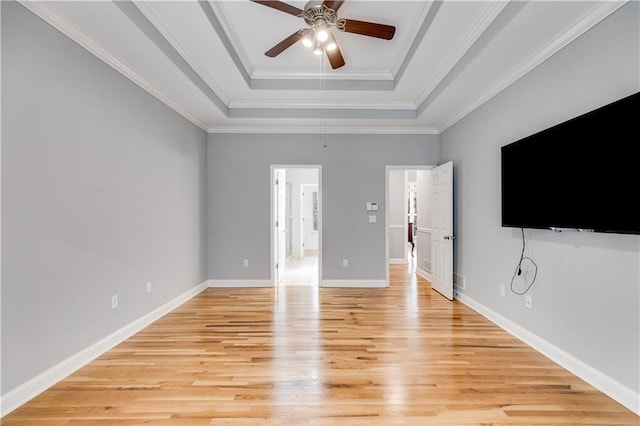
(405, 56)
(462, 48)
(232, 37)
(324, 105)
(167, 32)
(597, 14)
(331, 130)
(47, 14)
(320, 75)
(322, 84)
(320, 112)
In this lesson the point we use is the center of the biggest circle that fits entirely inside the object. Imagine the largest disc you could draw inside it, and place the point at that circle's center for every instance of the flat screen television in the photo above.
(582, 174)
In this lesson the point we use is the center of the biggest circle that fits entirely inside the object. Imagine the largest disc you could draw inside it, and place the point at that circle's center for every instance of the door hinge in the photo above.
(276, 181)
(276, 223)
(276, 265)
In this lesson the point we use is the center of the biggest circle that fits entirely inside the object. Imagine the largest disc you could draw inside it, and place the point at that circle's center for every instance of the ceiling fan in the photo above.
(320, 16)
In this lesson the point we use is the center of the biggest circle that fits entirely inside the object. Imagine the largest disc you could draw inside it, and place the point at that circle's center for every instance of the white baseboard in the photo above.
(614, 389)
(424, 274)
(239, 283)
(355, 283)
(397, 261)
(28, 390)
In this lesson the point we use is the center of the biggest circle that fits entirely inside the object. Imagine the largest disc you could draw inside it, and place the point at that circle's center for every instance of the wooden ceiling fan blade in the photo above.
(284, 44)
(278, 5)
(370, 29)
(335, 57)
(333, 4)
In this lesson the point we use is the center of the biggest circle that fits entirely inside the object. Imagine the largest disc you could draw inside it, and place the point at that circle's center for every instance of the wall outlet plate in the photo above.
(345, 262)
(148, 287)
(114, 301)
(528, 302)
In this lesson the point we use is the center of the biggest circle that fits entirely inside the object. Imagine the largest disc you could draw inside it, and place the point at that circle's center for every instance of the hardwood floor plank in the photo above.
(298, 355)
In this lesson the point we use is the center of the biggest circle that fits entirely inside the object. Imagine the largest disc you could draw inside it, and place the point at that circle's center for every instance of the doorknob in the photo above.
(449, 237)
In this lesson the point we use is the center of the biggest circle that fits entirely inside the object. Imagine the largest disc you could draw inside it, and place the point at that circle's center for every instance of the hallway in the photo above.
(301, 271)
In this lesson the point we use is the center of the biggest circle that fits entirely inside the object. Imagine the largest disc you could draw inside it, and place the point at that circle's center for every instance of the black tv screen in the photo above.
(583, 174)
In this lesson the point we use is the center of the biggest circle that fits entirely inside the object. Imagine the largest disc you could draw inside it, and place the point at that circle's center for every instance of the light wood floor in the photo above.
(308, 356)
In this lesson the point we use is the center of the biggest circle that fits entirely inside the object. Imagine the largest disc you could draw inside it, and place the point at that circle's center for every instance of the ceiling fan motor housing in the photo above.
(316, 13)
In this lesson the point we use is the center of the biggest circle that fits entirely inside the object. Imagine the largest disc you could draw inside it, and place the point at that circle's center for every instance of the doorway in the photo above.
(296, 236)
(408, 217)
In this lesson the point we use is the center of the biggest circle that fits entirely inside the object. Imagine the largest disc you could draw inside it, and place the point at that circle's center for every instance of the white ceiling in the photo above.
(206, 59)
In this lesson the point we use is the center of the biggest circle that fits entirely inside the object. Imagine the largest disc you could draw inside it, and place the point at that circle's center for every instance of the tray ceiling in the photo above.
(206, 59)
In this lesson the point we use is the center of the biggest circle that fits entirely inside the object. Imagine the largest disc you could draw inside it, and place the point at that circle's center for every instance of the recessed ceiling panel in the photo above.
(260, 28)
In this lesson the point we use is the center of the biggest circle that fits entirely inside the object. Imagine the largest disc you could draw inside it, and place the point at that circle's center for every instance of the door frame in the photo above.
(272, 194)
(388, 168)
(279, 217)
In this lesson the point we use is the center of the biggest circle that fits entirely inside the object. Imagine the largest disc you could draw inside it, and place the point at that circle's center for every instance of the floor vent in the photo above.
(459, 281)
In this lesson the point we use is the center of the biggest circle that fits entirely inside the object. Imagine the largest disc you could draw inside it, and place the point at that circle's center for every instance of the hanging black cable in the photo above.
(518, 270)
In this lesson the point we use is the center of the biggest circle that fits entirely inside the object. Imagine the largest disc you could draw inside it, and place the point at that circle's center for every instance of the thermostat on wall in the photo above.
(372, 205)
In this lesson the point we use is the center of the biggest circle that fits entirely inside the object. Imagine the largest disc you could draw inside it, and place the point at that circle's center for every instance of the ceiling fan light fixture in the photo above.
(307, 37)
(331, 44)
(319, 37)
(317, 47)
(322, 34)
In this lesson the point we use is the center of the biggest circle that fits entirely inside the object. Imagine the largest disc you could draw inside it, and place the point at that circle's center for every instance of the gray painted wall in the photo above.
(103, 190)
(586, 296)
(353, 172)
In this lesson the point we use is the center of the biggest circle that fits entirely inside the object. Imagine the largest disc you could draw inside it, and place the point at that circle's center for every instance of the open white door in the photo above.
(280, 246)
(442, 230)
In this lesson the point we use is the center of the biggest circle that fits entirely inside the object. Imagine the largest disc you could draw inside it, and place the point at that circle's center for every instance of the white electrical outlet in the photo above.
(528, 302)
(345, 262)
(502, 290)
(114, 301)
(148, 287)
(372, 218)
(245, 263)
